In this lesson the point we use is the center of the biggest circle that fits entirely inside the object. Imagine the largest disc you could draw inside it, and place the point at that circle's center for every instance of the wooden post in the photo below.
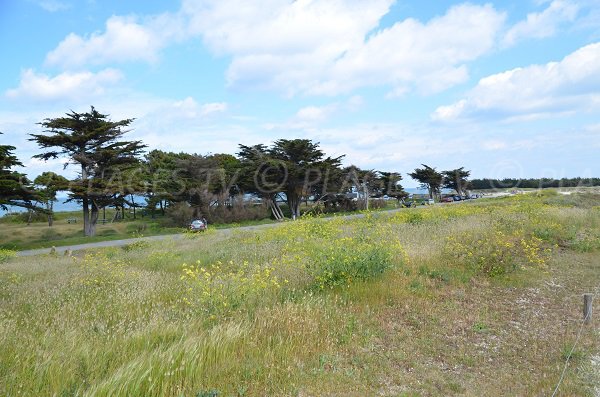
(587, 308)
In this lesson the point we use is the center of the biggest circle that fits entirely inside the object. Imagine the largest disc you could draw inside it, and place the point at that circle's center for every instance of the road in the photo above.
(119, 243)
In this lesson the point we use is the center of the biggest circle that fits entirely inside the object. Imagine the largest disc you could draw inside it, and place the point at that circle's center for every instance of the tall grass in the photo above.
(253, 313)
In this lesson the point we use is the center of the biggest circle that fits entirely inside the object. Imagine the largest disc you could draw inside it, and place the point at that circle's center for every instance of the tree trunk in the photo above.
(93, 219)
(366, 193)
(133, 204)
(86, 216)
(162, 208)
(293, 201)
(50, 209)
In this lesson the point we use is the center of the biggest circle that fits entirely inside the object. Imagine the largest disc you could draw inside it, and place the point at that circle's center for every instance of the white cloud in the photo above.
(315, 113)
(536, 91)
(272, 47)
(543, 24)
(67, 85)
(429, 57)
(53, 5)
(189, 108)
(124, 39)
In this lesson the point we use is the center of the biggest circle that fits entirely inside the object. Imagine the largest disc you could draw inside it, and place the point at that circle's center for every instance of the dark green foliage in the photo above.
(15, 188)
(94, 143)
(457, 180)
(429, 179)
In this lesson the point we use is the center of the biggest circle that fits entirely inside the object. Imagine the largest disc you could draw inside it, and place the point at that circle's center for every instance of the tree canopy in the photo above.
(15, 189)
(429, 179)
(457, 180)
(93, 143)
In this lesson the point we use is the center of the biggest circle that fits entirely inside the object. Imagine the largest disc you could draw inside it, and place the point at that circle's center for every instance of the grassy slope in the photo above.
(124, 322)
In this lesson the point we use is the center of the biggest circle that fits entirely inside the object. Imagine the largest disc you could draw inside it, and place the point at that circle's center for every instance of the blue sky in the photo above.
(507, 88)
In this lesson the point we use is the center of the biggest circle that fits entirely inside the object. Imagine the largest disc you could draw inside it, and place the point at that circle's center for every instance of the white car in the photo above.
(197, 225)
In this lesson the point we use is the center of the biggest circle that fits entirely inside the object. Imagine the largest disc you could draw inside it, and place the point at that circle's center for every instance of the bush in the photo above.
(137, 227)
(178, 215)
(498, 252)
(140, 245)
(23, 217)
(50, 234)
(349, 260)
(6, 255)
(239, 211)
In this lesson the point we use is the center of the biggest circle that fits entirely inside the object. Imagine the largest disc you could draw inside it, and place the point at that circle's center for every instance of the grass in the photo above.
(17, 235)
(389, 304)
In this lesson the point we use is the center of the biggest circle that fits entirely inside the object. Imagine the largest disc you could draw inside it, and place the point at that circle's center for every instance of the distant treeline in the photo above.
(532, 183)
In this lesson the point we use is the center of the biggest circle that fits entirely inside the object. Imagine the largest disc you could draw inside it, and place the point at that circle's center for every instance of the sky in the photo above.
(503, 88)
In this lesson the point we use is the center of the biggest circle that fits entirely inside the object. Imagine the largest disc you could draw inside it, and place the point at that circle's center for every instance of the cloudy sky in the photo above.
(504, 88)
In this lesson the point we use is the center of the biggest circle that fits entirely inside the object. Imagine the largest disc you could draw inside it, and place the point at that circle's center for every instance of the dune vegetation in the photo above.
(480, 298)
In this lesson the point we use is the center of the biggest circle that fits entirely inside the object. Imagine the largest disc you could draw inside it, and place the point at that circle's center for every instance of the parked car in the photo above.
(430, 201)
(198, 225)
(447, 199)
(457, 198)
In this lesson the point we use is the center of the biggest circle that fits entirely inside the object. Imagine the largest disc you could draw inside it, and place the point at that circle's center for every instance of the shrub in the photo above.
(137, 227)
(218, 289)
(496, 252)
(179, 215)
(50, 234)
(6, 254)
(136, 246)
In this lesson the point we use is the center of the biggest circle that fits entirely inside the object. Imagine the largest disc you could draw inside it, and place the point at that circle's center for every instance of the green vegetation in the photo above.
(475, 299)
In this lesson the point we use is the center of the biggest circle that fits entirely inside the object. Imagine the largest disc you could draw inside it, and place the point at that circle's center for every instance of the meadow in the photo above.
(481, 298)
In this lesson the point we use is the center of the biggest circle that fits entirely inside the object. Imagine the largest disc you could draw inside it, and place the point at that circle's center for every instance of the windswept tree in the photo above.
(15, 189)
(94, 144)
(262, 176)
(389, 185)
(305, 165)
(163, 178)
(363, 182)
(225, 180)
(294, 168)
(457, 180)
(47, 185)
(197, 172)
(429, 179)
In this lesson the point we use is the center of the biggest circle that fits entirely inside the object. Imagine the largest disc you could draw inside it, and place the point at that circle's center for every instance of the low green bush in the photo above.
(6, 254)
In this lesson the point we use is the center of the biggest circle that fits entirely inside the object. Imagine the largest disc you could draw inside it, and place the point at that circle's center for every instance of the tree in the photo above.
(93, 143)
(48, 184)
(225, 177)
(429, 179)
(261, 175)
(457, 180)
(363, 182)
(164, 184)
(15, 189)
(304, 165)
(390, 185)
(197, 173)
